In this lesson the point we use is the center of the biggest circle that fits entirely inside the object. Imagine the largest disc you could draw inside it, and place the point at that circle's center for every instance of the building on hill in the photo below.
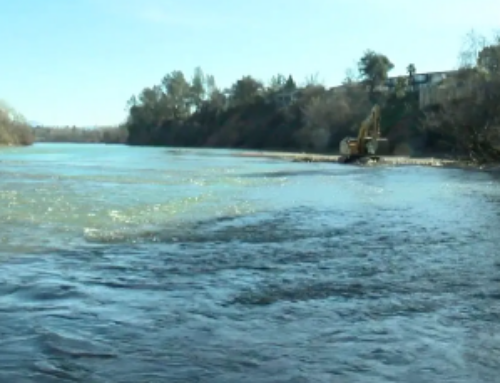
(420, 80)
(286, 97)
(429, 85)
(455, 87)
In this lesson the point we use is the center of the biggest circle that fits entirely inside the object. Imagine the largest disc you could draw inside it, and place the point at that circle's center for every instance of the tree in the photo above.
(401, 86)
(210, 85)
(472, 44)
(489, 58)
(350, 76)
(328, 118)
(319, 113)
(313, 80)
(276, 83)
(178, 94)
(132, 101)
(290, 85)
(218, 100)
(245, 90)
(150, 97)
(214, 97)
(103, 134)
(198, 90)
(14, 129)
(411, 70)
(468, 118)
(279, 84)
(374, 68)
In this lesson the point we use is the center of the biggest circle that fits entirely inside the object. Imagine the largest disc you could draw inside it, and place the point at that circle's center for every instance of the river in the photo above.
(127, 264)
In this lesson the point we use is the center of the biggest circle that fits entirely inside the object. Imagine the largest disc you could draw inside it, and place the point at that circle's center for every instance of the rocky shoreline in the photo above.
(383, 160)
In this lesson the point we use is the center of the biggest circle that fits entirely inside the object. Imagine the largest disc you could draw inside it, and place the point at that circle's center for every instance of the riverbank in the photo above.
(384, 160)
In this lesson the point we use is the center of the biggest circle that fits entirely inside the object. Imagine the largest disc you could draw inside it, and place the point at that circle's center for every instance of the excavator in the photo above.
(368, 142)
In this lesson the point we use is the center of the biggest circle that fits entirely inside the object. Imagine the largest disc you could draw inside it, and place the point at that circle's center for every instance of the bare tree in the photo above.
(313, 80)
(14, 129)
(329, 117)
(469, 117)
(472, 44)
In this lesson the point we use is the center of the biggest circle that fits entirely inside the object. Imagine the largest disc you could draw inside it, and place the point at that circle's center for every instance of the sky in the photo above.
(77, 62)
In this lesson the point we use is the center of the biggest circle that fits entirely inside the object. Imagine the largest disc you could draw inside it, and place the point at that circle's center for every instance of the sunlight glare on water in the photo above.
(128, 264)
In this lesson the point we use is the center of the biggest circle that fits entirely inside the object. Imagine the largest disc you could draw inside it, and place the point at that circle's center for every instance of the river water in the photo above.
(125, 264)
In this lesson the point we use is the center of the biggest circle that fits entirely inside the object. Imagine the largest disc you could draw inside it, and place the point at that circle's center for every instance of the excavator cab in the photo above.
(368, 142)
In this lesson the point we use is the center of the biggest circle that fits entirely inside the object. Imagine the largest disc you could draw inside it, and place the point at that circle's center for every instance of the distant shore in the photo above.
(384, 160)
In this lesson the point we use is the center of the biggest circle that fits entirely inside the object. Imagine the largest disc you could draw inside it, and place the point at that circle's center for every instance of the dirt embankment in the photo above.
(383, 160)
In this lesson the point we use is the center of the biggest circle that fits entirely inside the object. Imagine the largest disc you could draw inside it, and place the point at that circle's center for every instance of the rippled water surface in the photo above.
(122, 264)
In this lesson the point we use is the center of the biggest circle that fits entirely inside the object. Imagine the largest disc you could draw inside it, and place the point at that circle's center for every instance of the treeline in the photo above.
(14, 130)
(106, 135)
(466, 114)
(250, 114)
(461, 115)
(281, 114)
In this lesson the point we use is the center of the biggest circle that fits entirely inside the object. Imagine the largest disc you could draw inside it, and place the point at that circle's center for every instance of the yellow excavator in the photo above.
(368, 142)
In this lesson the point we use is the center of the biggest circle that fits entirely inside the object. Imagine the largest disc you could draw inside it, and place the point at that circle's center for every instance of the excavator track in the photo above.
(357, 159)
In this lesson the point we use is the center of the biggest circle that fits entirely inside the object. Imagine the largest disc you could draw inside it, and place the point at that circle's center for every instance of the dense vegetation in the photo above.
(467, 116)
(14, 130)
(107, 135)
(283, 115)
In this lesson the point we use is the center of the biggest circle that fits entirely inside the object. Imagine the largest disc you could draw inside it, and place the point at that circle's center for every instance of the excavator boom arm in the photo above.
(368, 137)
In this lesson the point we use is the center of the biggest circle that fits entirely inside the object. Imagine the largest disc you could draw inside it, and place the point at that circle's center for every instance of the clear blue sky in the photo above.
(79, 61)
